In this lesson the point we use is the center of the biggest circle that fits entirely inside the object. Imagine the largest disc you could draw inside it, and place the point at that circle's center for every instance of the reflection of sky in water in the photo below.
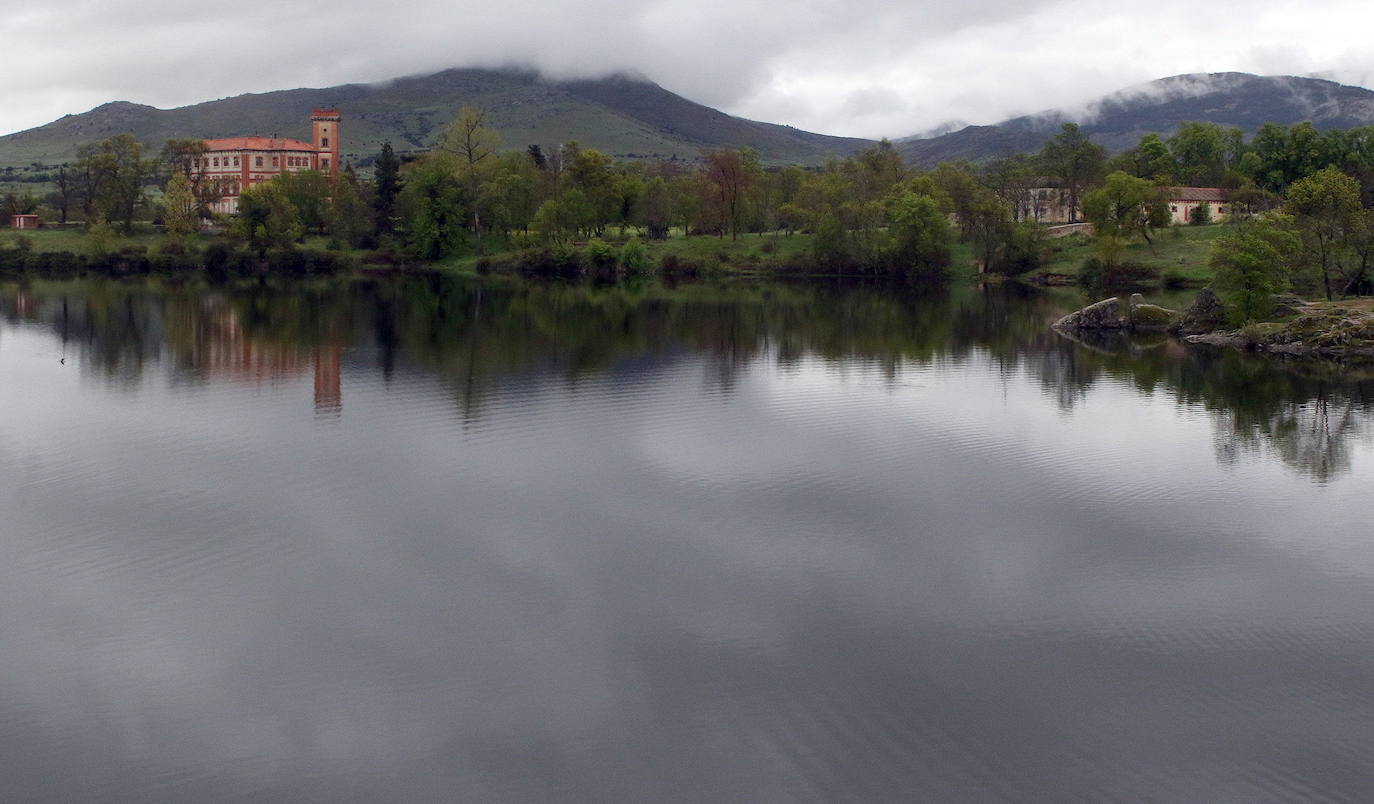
(813, 581)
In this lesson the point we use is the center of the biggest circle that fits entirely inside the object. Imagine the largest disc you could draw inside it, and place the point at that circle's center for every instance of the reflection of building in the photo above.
(233, 163)
(223, 351)
(328, 394)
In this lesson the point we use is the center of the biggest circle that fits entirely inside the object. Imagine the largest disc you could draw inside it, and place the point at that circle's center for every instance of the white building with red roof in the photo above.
(234, 163)
(1183, 201)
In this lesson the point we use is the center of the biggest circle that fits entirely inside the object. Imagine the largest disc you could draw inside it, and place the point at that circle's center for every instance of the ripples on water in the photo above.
(435, 541)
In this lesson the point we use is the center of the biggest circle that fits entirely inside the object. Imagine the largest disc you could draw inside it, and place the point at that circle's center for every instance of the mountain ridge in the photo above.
(1119, 119)
(621, 114)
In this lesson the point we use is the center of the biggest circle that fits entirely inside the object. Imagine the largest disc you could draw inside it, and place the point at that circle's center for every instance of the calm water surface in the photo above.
(434, 540)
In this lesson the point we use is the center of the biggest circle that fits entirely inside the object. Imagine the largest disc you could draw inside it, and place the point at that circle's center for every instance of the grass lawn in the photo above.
(75, 240)
(1179, 253)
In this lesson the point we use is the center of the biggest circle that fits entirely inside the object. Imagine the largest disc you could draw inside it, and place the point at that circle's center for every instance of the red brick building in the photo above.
(234, 163)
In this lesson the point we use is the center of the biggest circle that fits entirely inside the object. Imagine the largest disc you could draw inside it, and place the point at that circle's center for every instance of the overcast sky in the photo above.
(859, 67)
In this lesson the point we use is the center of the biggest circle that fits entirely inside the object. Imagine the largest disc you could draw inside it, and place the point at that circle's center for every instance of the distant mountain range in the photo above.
(1119, 120)
(633, 117)
(627, 117)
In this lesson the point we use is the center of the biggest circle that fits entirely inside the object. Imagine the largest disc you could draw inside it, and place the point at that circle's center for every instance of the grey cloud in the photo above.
(867, 68)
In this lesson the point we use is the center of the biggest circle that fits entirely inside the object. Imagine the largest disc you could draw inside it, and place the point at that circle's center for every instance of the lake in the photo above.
(440, 539)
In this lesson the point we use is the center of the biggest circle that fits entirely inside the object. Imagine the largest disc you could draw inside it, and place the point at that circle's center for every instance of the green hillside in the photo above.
(626, 117)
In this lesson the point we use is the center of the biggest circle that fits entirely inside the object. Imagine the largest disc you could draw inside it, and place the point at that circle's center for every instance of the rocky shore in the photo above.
(1342, 329)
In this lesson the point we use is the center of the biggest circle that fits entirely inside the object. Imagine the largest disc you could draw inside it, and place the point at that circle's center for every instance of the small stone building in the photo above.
(1183, 200)
(24, 222)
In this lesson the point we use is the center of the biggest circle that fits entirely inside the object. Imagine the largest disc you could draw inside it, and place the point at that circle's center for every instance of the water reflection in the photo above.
(668, 543)
(472, 333)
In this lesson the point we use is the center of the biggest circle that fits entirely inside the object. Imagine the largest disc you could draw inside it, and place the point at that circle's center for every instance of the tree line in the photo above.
(867, 213)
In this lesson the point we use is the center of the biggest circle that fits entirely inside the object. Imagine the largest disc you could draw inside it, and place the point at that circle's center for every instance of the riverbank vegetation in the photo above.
(473, 206)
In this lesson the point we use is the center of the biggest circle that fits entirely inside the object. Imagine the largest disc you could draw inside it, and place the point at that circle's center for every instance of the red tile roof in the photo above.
(258, 144)
(1214, 194)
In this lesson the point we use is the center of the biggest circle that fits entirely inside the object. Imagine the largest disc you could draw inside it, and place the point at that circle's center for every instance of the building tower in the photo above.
(325, 123)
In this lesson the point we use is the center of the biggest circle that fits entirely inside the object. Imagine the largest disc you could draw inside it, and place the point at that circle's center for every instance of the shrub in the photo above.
(1201, 214)
(633, 256)
(599, 252)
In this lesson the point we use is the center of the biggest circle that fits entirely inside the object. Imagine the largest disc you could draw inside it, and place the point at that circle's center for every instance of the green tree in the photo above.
(266, 217)
(1201, 152)
(1125, 206)
(309, 192)
(386, 175)
(433, 208)
(1326, 207)
(347, 217)
(114, 173)
(1254, 262)
(1075, 161)
(1149, 159)
(956, 181)
(474, 144)
(921, 236)
(180, 210)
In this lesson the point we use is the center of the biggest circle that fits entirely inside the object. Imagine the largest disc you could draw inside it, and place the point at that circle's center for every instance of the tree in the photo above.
(1149, 159)
(731, 176)
(656, 208)
(309, 192)
(180, 210)
(386, 176)
(514, 192)
(1124, 206)
(956, 182)
(433, 208)
(1074, 160)
(1253, 263)
(474, 144)
(1202, 153)
(64, 196)
(114, 172)
(266, 218)
(184, 156)
(921, 234)
(990, 226)
(347, 217)
(1326, 207)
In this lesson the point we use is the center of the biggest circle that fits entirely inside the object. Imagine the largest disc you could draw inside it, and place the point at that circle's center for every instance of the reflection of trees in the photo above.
(1313, 437)
(1307, 413)
(476, 335)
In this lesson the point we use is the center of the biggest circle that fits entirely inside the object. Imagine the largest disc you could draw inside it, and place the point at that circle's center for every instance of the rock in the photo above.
(1286, 305)
(1152, 316)
(1105, 314)
(1207, 314)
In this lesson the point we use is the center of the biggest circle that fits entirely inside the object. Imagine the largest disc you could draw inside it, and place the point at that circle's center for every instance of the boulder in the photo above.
(1286, 305)
(1207, 314)
(1152, 316)
(1106, 314)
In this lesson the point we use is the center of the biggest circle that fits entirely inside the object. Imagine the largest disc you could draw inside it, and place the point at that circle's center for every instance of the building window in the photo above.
(217, 161)
(1173, 208)
(257, 161)
(236, 161)
(324, 143)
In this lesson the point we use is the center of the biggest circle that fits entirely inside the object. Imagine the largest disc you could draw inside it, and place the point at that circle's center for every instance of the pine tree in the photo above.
(387, 175)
